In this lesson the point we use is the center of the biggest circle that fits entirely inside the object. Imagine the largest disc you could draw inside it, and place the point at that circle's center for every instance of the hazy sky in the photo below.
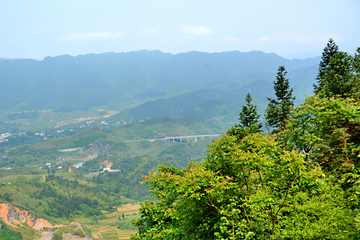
(39, 28)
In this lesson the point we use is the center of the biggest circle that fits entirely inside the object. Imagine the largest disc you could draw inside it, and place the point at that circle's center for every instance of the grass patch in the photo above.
(125, 234)
(110, 234)
(22, 179)
(126, 223)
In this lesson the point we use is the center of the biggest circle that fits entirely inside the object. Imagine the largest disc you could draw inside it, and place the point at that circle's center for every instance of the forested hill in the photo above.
(67, 83)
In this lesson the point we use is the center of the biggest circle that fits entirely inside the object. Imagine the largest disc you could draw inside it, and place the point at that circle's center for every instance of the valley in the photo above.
(78, 140)
(96, 173)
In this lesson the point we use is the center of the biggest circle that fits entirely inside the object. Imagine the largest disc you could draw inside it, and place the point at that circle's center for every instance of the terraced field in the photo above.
(113, 227)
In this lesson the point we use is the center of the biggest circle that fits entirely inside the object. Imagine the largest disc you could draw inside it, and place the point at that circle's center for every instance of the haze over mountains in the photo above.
(149, 83)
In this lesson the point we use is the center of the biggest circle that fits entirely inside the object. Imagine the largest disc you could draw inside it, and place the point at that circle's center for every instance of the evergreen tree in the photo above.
(249, 121)
(329, 51)
(341, 77)
(278, 109)
(249, 115)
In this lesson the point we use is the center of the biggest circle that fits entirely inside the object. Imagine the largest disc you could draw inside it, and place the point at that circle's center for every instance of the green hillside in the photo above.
(207, 104)
(40, 180)
(99, 144)
(161, 127)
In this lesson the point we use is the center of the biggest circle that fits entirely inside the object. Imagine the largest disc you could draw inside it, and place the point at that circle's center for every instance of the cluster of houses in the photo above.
(24, 112)
(49, 166)
(3, 136)
(107, 169)
(77, 165)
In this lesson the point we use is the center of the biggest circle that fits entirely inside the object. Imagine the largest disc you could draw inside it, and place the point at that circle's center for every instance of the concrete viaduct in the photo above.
(179, 138)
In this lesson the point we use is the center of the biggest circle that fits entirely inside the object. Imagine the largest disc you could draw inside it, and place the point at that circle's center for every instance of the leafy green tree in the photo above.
(240, 132)
(252, 189)
(327, 129)
(326, 126)
(329, 51)
(248, 114)
(8, 197)
(278, 110)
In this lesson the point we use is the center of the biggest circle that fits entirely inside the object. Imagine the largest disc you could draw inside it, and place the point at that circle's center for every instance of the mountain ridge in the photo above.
(67, 83)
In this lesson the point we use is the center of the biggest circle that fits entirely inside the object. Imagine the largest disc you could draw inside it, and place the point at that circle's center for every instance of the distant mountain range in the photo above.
(161, 84)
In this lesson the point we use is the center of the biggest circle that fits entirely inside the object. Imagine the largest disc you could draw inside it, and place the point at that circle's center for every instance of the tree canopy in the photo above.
(261, 193)
(297, 183)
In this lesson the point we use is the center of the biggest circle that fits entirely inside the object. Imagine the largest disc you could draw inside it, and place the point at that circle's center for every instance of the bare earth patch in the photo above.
(107, 163)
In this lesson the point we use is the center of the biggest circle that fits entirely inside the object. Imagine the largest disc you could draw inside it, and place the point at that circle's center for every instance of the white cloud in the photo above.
(232, 39)
(91, 36)
(196, 30)
(266, 39)
(147, 31)
(298, 37)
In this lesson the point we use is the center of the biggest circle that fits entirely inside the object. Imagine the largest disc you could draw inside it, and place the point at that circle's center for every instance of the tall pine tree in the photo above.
(248, 114)
(329, 51)
(341, 76)
(278, 109)
(249, 121)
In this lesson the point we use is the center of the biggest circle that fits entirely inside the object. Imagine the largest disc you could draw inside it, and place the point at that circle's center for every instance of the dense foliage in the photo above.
(7, 234)
(298, 183)
(59, 197)
(263, 192)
